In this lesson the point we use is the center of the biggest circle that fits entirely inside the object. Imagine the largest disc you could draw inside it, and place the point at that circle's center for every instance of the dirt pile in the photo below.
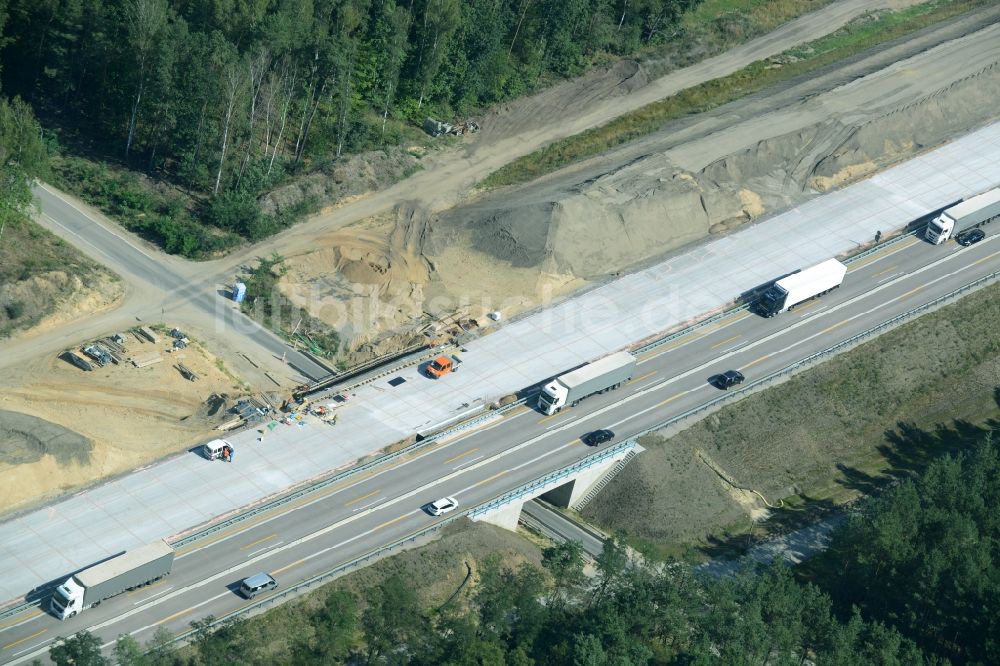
(344, 179)
(523, 248)
(62, 428)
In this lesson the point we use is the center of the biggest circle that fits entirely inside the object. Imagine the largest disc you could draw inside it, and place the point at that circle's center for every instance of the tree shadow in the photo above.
(782, 520)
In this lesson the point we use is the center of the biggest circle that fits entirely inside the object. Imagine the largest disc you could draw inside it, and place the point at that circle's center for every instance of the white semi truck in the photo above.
(973, 212)
(808, 283)
(602, 375)
(127, 571)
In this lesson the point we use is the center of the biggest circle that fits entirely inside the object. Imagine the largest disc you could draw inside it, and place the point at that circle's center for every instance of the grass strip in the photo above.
(858, 35)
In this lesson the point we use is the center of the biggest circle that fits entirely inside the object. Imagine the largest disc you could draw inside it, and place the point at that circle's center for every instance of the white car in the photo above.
(443, 505)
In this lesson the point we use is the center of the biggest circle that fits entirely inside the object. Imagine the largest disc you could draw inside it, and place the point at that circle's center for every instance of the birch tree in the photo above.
(232, 82)
(145, 19)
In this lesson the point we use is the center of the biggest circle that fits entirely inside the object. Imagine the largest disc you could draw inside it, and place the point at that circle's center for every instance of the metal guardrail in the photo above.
(730, 396)
(340, 476)
(488, 415)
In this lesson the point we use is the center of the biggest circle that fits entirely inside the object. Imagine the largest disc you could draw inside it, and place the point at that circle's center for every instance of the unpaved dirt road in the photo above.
(559, 112)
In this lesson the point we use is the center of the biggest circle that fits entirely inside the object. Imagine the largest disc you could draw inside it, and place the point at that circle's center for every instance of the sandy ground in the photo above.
(62, 428)
(428, 247)
(707, 175)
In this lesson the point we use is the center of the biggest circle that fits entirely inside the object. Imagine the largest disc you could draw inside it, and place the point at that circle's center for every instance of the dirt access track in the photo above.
(707, 174)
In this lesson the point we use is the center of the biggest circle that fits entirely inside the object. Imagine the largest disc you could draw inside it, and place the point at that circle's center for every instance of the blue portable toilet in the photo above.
(239, 292)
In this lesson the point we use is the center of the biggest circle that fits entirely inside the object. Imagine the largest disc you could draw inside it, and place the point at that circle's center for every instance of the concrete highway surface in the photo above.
(362, 513)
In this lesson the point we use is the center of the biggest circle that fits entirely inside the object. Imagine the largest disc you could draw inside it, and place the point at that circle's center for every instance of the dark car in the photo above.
(598, 437)
(729, 378)
(971, 236)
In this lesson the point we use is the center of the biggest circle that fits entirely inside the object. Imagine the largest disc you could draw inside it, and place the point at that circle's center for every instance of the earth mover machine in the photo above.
(127, 571)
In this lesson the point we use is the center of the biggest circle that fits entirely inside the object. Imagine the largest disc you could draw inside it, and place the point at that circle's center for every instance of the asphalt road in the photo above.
(161, 284)
(340, 523)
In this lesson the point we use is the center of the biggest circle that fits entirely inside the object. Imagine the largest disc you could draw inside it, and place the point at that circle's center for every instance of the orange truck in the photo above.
(440, 367)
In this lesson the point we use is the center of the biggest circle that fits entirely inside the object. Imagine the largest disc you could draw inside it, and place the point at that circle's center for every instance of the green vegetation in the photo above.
(226, 100)
(862, 33)
(843, 429)
(925, 558)
(266, 304)
(912, 579)
(36, 268)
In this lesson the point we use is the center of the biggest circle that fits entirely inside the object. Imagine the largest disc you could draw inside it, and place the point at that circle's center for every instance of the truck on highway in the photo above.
(602, 375)
(126, 571)
(808, 283)
(973, 212)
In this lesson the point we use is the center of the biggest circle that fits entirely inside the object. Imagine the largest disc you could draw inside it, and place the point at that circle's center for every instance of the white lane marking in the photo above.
(261, 550)
(467, 462)
(163, 591)
(36, 645)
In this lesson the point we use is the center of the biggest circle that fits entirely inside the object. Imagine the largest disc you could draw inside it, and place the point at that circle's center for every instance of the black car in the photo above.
(971, 236)
(729, 378)
(598, 437)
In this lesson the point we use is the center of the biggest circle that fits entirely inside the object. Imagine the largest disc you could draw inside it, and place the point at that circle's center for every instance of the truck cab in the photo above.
(939, 229)
(552, 397)
(67, 600)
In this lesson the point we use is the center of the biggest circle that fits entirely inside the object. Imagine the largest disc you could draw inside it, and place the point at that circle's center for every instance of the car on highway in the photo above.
(598, 437)
(443, 505)
(251, 586)
(970, 237)
(728, 379)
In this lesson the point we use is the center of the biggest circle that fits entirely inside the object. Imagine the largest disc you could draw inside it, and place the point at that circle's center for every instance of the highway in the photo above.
(381, 506)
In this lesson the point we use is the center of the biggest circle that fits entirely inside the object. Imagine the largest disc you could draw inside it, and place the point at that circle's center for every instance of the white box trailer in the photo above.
(127, 571)
(789, 291)
(602, 375)
(973, 212)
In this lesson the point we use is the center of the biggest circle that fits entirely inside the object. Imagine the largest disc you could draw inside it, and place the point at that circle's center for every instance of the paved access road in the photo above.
(379, 507)
(158, 285)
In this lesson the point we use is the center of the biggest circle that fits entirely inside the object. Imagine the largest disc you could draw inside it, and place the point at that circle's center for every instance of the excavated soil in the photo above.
(62, 428)
(520, 249)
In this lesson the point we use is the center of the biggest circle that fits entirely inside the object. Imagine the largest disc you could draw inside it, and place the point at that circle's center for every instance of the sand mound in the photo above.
(26, 439)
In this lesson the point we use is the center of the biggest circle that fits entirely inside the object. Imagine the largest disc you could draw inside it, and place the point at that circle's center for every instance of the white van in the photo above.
(213, 450)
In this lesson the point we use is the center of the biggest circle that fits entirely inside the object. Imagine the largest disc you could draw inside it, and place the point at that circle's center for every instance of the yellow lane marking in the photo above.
(837, 325)
(460, 455)
(26, 638)
(19, 619)
(755, 361)
(740, 316)
(549, 417)
(891, 268)
(891, 250)
(287, 567)
(979, 261)
(673, 398)
(174, 616)
(645, 376)
(495, 476)
(386, 524)
(725, 342)
(363, 497)
(911, 292)
(805, 306)
(261, 540)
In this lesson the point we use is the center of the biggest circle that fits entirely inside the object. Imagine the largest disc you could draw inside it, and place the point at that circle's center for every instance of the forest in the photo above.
(912, 578)
(224, 99)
